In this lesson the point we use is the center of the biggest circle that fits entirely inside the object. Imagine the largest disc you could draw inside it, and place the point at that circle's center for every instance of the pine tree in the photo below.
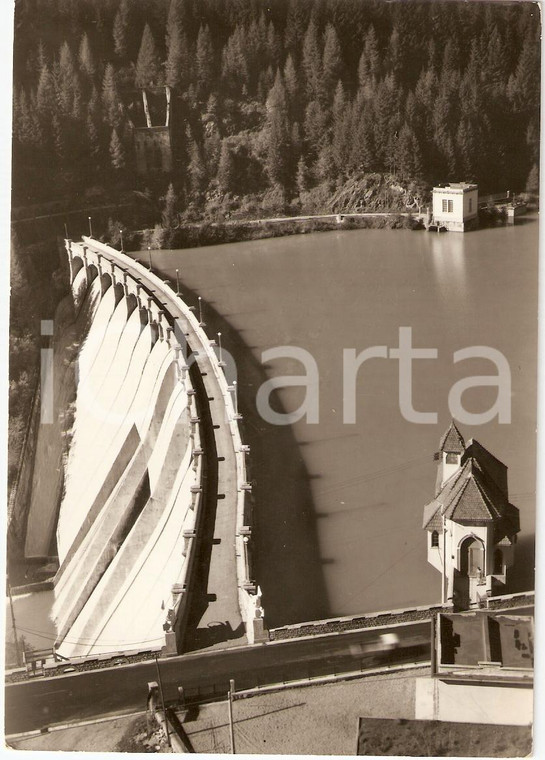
(394, 55)
(314, 129)
(532, 183)
(431, 62)
(409, 155)
(110, 98)
(27, 128)
(253, 47)
(78, 111)
(196, 168)
(332, 67)
(296, 21)
(296, 143)
(234, 68)
(226, 168)
(86, 60)
(67, 81)
(339, 103)
(273, 47)
(312, 62)
(524, 89)
(147, 64)
(93, 106)
(42, 59)
(45, 97)
(495, 74)
(301, 180)
(465, 149)
(177, 63)
(93, 140)
(362, 156)
(170, 208)
(59, 141)
(266, 81)
(204, 57)
(341, 145)
(325, 167)
(371, 51)
(175, 22)
(117, 153)
(121, 29)
(278, 135)
(291, 81)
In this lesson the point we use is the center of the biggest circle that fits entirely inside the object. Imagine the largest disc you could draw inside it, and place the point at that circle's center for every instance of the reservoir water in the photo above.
(338, 507)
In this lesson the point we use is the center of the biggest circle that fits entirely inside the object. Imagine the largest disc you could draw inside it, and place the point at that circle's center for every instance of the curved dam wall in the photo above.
(129, 516)
(132, 477)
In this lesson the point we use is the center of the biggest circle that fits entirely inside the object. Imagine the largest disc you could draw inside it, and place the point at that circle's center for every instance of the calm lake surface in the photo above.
(338, 508)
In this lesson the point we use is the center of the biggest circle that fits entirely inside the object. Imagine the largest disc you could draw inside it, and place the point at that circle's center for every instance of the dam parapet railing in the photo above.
(92, 252)
(401, 616)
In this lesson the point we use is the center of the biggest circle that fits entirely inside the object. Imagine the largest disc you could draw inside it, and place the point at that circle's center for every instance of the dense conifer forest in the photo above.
(278, 101)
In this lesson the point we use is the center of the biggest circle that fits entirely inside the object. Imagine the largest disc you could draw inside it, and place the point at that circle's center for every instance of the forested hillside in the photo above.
(280, 100)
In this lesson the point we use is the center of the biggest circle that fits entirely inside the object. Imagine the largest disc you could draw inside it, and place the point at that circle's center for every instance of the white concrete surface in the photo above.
(468, 703)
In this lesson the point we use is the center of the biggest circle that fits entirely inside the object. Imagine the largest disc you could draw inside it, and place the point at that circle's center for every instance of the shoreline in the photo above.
(207, 233)
(200, 234)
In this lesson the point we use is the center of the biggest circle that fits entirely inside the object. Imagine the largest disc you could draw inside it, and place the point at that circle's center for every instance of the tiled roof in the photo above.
(452, 441)
(475, 494)
(436, 522)
(471, 503)
(430, 511)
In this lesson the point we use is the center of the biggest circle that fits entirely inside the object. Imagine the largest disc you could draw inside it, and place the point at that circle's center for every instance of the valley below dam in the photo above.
(338, 507)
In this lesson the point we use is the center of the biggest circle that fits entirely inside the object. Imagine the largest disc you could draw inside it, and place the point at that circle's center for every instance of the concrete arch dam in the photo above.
(133, 487)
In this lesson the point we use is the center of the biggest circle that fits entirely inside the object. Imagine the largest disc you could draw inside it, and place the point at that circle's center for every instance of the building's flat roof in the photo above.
(481, 639)
(460, 186)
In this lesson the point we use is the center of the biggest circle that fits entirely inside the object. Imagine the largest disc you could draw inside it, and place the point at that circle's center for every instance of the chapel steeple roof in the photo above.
(452, 441)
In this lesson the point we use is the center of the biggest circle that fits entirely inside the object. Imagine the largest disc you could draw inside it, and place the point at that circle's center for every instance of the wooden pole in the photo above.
(162, 700)
(17, 650)
(231, 727)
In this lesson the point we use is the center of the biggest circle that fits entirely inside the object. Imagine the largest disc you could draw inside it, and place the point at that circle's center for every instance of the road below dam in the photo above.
(339, 506)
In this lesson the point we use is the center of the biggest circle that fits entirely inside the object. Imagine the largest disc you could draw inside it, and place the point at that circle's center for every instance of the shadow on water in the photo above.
(286, 557)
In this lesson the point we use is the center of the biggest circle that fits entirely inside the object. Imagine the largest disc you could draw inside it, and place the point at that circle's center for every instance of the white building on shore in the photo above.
(455, 206)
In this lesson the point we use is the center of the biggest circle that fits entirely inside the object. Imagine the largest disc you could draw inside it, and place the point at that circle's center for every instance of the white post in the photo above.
(231, 727)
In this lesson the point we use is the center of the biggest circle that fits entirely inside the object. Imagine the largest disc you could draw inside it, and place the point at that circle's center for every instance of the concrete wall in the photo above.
(153, 150)
(468, 703)
(107, 260)
(248, 593)
(142, 436)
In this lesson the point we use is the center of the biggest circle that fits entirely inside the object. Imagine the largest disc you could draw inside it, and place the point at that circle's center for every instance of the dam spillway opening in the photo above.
(125, 502)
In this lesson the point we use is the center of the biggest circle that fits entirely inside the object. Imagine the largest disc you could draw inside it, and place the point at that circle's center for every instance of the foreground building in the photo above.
(471, 525)
(455, 206)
